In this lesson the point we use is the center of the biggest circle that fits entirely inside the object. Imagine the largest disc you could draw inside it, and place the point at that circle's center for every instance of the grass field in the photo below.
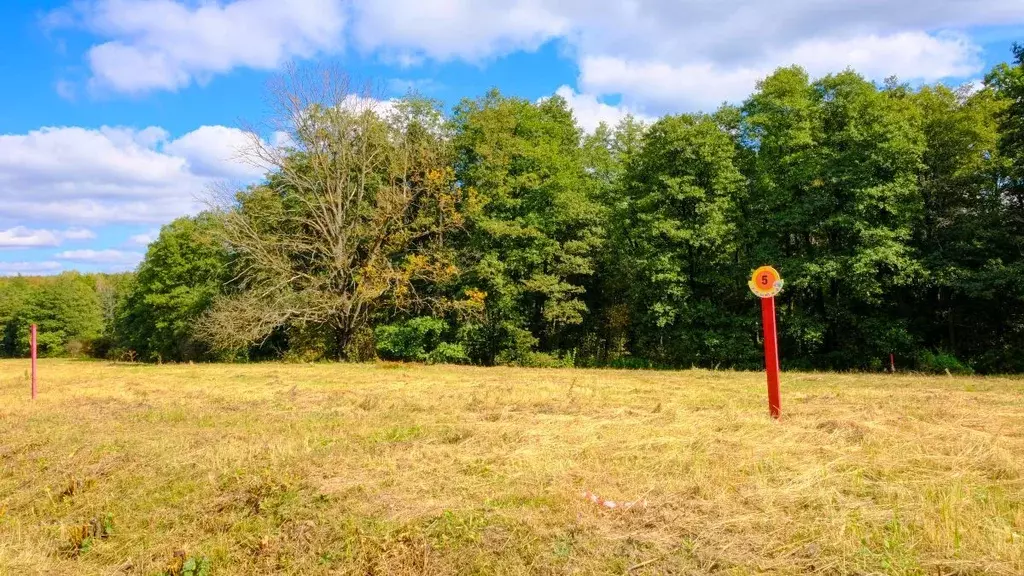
(394, 469)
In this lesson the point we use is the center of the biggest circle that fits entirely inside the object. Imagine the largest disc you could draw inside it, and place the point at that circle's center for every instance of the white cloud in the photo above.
(113, 257)
(910, 56)
(590, 111)
(29, 268)
(164, 44)
(145, 238)
(216, 151)
(727, 33)
(281, 139)
(410, 30)
(659, 55)
(660, 85)
(23, 237)
(675, 55)
(113, 174)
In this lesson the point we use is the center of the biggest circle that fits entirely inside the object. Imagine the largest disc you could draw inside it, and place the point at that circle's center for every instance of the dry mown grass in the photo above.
(382, 469)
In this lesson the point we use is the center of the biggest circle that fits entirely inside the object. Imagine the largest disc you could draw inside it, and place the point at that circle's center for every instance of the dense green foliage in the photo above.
(505, 235)
(184, 270)
(67, 309)
(533, 228)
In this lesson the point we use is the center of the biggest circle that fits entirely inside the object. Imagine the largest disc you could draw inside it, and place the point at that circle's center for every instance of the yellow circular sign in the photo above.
(765, 282)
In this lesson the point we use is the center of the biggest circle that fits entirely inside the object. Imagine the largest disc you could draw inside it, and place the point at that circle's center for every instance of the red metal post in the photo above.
(771, 355)
(33, 346)
(892, 363)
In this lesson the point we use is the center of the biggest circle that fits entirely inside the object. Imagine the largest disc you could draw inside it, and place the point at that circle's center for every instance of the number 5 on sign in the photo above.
(766, 284)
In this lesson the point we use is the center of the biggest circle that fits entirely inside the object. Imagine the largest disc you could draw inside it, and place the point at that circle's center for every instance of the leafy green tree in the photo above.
(185, 268)
(533, 225)
(833, 202)
(350, 223)
(111, 290)
(1008, 82)
(13, 294)
(679, 242)
(1001, 276)
(418, 339)
(607, 153)
(503, 234)
(67, 312)
(953, 307)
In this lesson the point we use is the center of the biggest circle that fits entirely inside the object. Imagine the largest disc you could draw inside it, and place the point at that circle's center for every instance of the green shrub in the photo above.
(940, 362)
(516, 346)
(448, 353)
(419, 340)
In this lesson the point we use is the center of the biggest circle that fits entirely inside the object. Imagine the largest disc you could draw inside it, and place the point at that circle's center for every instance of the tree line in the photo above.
(501, 233)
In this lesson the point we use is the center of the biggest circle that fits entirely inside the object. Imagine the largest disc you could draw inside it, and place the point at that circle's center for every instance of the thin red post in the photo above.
(892, 363)
(771, 355)
(33, 346)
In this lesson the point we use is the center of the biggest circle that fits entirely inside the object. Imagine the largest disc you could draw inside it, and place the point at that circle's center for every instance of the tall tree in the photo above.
(535, 226)
(350, 220)
(954, 309)
(14, 292)
(679, 241)
(185, 269)
(1004, 270)
(607, 153)
(834, 199)
(67, 312)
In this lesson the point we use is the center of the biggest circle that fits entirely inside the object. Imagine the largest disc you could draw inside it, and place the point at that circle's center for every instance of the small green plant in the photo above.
(196, 567)
(180, 565)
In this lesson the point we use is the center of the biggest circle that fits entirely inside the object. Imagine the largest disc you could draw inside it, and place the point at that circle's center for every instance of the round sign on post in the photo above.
(766, 283)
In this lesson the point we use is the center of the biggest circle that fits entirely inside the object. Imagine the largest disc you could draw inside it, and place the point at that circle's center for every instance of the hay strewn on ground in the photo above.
(391, 469)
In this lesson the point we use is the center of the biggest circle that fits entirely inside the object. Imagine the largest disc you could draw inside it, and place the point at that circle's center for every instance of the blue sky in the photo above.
(120, 115)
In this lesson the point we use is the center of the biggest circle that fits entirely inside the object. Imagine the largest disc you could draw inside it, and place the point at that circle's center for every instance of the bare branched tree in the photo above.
(351, 217)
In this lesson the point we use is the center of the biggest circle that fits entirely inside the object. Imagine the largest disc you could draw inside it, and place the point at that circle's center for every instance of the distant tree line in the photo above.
(501, 233)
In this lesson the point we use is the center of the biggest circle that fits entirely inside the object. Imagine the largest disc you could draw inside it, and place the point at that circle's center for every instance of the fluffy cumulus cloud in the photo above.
(671, 55)
(411, 30)
(657, 55)
(23, 237)
(591, 112)
(216, 151)
(76, 176)
(167, 44)
(704, 84)
(660, 30)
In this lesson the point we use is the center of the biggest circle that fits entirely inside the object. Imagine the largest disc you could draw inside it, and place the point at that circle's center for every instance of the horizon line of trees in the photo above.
(501, 233)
